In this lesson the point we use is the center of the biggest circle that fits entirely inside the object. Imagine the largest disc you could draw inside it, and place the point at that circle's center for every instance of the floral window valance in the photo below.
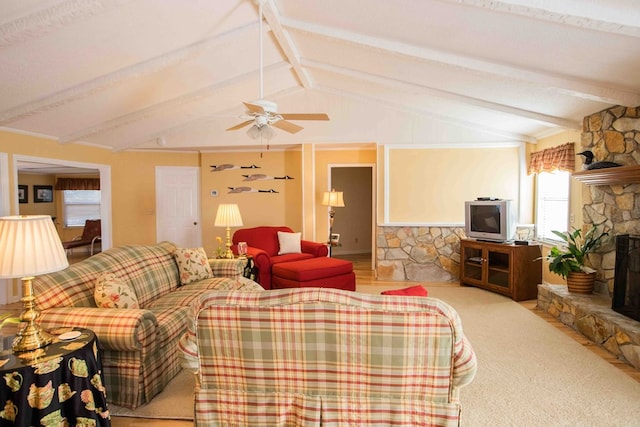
(78, 184)
(562, 157)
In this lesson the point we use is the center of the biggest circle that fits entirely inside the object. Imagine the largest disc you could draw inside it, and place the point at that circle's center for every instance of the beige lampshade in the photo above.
(333, 198)
(29, 246)
(228, 215)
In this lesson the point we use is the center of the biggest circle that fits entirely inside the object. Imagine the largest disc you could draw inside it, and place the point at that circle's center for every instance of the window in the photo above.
(552, 203)
(79, 206)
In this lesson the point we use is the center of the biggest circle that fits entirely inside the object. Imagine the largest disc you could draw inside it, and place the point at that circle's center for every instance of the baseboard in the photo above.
(350, 252)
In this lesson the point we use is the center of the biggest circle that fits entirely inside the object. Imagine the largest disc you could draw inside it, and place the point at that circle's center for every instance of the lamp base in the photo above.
(229, 253)
(30, 336)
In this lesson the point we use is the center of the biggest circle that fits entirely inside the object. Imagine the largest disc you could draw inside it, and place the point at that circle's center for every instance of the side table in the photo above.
(60, 384)
(250, 270)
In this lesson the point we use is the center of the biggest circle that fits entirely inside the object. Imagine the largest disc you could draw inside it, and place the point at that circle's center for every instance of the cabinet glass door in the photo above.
(473, 263)
(498, 269)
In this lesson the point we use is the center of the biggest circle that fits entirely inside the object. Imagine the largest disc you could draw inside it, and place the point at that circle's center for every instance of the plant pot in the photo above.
(581, 283)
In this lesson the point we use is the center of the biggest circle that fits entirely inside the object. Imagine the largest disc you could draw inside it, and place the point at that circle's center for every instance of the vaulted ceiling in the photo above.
(172, 74)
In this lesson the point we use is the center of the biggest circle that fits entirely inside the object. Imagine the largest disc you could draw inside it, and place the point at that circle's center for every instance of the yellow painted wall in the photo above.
(281, 208)
(133, 183)
(430, 185)
(132, 179)
(33, 208)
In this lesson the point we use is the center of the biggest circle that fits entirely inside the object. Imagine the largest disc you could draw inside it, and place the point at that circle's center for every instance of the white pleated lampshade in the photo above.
(228, 215)
(29, 246)
(333, 198)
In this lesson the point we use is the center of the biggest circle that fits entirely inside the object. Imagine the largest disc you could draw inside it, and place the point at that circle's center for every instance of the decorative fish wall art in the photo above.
(263, 177)
(227, 166)
(249, 190)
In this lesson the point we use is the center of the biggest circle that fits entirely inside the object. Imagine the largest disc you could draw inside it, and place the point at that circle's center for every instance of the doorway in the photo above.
(54, 167)
(355, 221)
(178, 205)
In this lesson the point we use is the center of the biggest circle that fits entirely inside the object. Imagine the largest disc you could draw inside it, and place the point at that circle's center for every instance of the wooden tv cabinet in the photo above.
(508, 269)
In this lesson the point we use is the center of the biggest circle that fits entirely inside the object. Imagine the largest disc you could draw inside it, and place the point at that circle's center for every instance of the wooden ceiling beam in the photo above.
(611, 16)
(572, 86)
(108, 80)
(412, 87)
(283, 39)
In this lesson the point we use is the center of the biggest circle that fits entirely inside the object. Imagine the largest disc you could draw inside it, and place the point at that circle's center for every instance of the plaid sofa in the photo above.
(140, 346)
(328, 357)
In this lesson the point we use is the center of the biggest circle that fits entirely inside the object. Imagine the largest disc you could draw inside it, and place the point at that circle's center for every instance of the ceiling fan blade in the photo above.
(305, 116)
(241, 125)
(254, 108)
(287, 126)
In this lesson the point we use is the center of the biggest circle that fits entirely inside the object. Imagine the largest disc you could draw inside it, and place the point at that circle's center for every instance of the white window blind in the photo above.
(552, 203)
(79, 206)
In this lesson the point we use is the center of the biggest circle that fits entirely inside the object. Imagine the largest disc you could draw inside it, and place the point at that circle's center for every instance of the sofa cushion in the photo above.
(185, 295)
(172, 323)
(312, 269)
(193, 265)
(113, 292)
(278, 259)
(289, 243)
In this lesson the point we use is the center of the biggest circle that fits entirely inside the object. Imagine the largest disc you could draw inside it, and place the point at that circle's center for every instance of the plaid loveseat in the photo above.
(328, 357)
(140, 345)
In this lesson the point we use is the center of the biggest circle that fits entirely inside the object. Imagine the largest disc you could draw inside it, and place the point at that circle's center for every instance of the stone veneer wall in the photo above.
(612, 135)
(421, 254)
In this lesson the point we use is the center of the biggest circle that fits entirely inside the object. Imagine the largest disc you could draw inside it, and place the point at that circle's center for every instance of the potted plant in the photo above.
(568, 261)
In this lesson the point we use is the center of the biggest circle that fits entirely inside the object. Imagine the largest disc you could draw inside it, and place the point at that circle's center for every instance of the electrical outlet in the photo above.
(572, 218)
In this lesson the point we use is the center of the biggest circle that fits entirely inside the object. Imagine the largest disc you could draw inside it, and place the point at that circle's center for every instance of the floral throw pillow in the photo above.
(193, 265)
(113, 292)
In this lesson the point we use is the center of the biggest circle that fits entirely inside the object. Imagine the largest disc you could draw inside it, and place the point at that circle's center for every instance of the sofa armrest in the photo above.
(222, 267)
(465, 363)
(314, 248)
(116, 329)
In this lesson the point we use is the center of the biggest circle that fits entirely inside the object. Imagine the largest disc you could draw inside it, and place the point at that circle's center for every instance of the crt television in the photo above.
(491, 220)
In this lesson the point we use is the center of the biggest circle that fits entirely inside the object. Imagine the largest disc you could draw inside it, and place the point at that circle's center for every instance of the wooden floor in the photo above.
(365, 275)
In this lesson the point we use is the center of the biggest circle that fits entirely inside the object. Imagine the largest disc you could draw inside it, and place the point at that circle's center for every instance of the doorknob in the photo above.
(195, 223)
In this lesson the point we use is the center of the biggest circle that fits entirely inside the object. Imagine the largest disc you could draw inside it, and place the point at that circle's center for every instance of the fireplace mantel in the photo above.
(609, 176)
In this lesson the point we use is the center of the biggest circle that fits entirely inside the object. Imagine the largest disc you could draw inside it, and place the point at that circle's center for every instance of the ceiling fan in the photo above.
(263, 114)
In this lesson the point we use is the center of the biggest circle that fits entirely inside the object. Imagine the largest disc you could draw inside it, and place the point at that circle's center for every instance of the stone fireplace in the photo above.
(611, 200)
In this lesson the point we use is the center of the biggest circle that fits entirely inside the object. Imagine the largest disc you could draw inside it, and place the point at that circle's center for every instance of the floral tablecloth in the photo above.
(58, 385)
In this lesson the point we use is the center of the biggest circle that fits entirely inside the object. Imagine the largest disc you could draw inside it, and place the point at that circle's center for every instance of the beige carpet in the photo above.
(175, 402)
(530, 373)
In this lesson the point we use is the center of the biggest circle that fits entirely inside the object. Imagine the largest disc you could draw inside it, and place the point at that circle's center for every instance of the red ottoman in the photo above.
(320, 272)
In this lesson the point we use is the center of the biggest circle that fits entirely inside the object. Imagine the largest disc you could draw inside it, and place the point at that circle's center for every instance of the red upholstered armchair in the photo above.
(263, 245)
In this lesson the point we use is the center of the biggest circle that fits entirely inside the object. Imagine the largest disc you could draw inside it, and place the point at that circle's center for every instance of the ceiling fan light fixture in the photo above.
(260, 131)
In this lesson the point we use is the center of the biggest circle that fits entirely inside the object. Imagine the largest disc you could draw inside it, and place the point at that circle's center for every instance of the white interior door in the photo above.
(178, 206)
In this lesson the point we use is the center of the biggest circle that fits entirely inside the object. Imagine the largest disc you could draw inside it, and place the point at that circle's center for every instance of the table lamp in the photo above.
(29, 246)
(228, 215)
(333, 199)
